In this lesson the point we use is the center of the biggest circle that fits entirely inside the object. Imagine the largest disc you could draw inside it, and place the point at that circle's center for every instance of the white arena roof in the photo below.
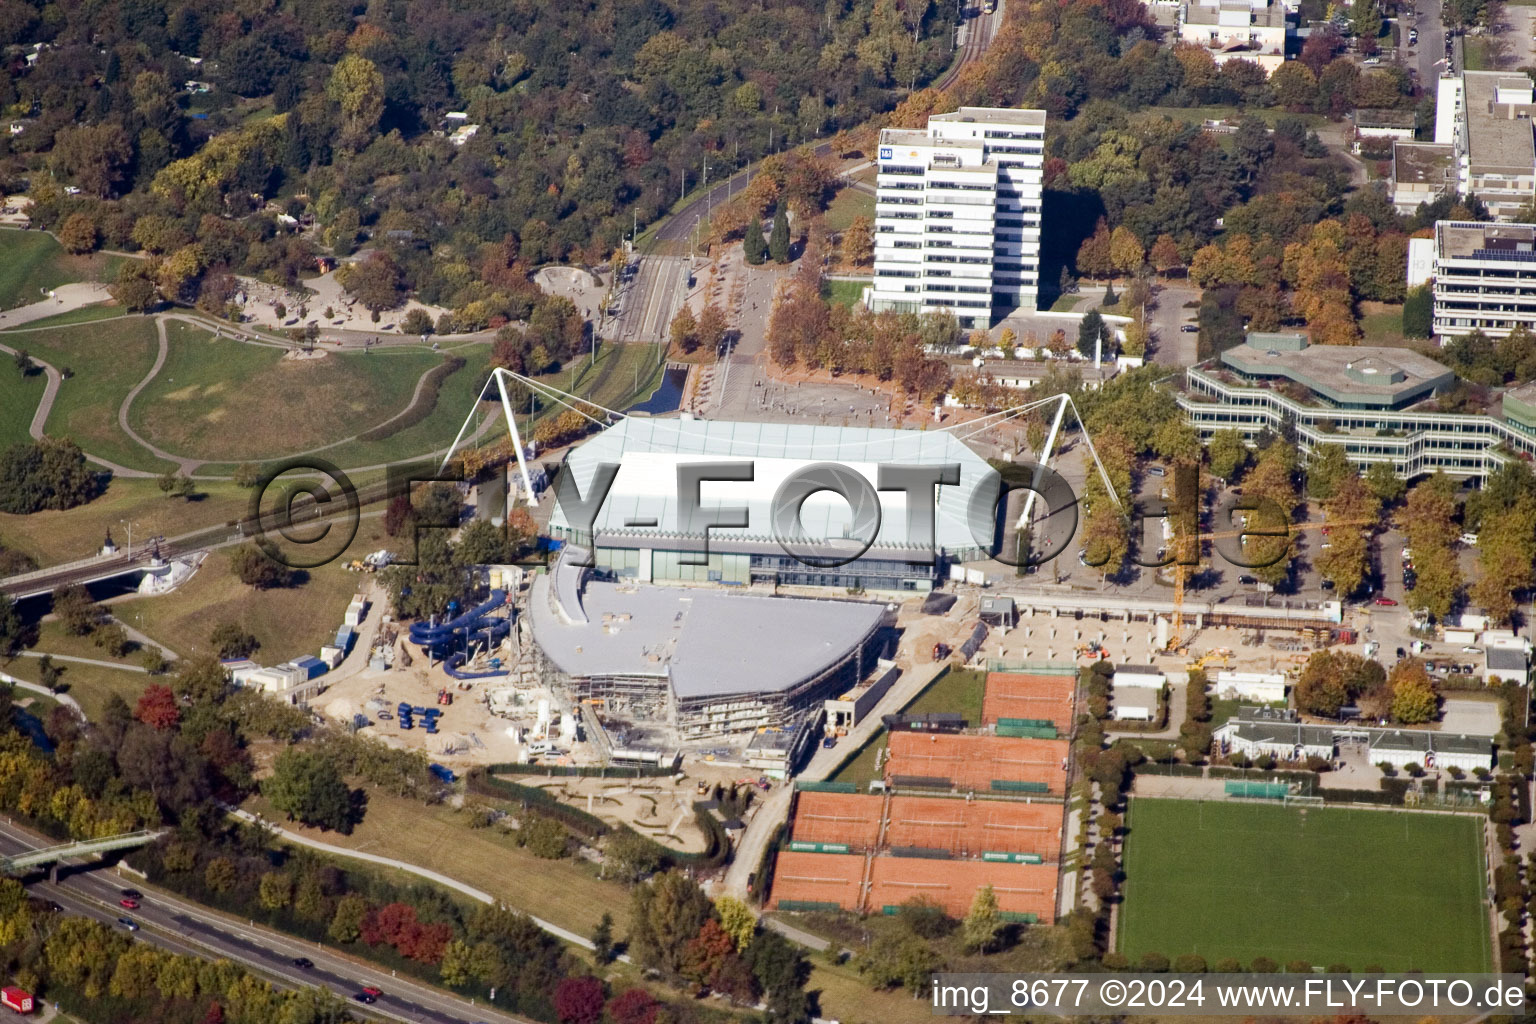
(648, 452)
(707, 643)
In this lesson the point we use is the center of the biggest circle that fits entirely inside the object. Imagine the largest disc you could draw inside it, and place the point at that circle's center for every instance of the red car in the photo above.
(375, 992)
(1386, 602)
(128, 903)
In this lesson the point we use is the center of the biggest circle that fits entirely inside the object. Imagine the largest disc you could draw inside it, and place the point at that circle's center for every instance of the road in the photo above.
(1427, 56)
(647, 302)
(182, 927)
(651, 288)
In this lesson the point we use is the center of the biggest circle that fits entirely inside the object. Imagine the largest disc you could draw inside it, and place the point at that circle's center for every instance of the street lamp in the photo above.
(124, 522)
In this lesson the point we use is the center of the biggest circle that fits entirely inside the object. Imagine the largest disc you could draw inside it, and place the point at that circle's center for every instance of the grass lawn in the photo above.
(1475, 52)
(31, 262)
(1382, 324)
(108, 360)
(959, 689)
(843, 293)
(956, 690)
(50, 538)
(80, 315)
(288, 622)
(222, 400)
(847, 205)
(91, 685)
(21, 397)
(861, 770)
(564, 892)
(1324, 885)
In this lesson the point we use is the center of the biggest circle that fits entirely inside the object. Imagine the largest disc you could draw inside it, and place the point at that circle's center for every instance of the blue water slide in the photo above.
(448, 640)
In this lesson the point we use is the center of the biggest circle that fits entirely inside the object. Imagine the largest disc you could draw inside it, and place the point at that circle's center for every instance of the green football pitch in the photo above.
(1324, 885)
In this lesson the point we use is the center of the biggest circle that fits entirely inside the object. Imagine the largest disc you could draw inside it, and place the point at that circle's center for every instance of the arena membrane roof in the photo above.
(643, 500)
(708, 643)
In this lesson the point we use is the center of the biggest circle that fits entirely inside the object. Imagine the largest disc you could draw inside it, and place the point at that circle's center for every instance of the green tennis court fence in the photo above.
(999, 857)
(807, 905)
(800, 846)
(1013, 786)
(807, 786)
(1257, 790)
(1031, 732)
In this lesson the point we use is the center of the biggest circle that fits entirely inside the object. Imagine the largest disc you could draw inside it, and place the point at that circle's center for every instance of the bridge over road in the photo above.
(18, 863)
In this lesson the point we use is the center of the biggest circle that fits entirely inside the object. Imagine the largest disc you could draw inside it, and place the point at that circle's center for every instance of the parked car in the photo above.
(1328, 584)
(1469, 539)
(1469, 669)
(1471, 650)
(1401, 654)
(1082, 556)
(1386, 602)
(1249, 580)
(1189, 329)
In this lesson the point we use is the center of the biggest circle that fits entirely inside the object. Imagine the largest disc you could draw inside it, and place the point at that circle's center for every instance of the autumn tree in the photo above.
(1126, 254)
(157, 707)
(1094, 256)
(1165, 255)
(78, 233)
(667, 912)
(1414, 700)
(712, 327)
(684, 332)
(859, 242)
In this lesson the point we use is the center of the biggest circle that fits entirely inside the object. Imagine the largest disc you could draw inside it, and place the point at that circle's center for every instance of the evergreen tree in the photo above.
(602, 940)
(778, 242)
(753, 247)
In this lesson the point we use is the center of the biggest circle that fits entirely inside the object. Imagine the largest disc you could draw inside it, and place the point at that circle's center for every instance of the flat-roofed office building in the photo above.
(957, 214)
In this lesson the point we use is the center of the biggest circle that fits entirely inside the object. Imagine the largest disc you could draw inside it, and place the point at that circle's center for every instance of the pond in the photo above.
(667, 397)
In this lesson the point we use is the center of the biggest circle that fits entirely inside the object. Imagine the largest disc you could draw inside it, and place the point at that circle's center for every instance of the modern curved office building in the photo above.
(1370, 401)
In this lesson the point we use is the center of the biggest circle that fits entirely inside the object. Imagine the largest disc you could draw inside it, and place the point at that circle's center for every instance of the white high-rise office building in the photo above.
(957, 214)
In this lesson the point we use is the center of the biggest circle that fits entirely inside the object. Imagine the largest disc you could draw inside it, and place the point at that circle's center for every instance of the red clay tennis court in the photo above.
(974, 763)
(973, 827)
(1024, 695)
(952, 884)
(800, 879)
(837, 818)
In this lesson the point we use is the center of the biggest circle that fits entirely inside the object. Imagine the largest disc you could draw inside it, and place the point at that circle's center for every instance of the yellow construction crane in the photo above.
(1180, 569)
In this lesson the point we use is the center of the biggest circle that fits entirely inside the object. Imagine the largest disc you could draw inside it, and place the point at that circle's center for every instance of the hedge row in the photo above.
(424, 405)
(575, 771)
(588, 826)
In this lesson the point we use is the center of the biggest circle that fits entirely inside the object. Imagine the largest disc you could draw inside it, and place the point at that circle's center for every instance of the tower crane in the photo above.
(1181, 569)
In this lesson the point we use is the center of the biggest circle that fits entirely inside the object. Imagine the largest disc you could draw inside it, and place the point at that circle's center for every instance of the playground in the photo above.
(661, 809)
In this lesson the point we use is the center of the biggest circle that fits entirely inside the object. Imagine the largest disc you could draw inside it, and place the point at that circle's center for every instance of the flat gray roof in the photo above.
(1460, 239)
(1355, 375)
(1507, 658)
(1422, 163)
(994, 115)
(706, 642)
(1495, 137)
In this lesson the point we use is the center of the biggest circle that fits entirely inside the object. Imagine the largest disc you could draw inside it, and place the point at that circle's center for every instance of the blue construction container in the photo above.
(406, 723)
(441, 771)
(310, 665)
(344, 637)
